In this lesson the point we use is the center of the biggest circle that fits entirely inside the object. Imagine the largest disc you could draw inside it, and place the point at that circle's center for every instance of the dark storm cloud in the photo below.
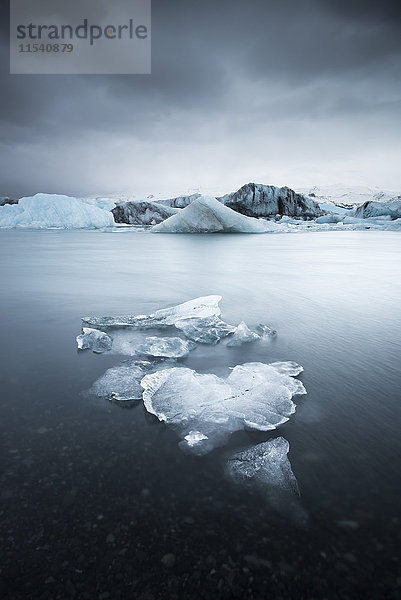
(265, 78)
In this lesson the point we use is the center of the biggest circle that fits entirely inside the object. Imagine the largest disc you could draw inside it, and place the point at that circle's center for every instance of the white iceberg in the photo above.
(205, 330)
(205, 306)
(208, 408)
(242, 335)
(208, 215)
(95, 340)
(163, 347)
(44, 211)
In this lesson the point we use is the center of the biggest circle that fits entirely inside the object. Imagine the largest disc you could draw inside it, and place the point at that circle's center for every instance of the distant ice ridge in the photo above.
(391, 209)
(208, 215)
(142, 212)
(346, 196)
(44, 211)
(206, 409)
(205, 306)
(259, 200)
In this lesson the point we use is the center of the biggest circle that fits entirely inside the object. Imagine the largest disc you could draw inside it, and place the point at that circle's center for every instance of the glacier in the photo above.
(95, 340)
(204, 306)
(208, 215)
(242, 335)
(205, 330)
(142, 212)
(44, 211)
(205, 409)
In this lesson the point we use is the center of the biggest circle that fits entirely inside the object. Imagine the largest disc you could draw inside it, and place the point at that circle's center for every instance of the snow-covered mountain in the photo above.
(346, 196)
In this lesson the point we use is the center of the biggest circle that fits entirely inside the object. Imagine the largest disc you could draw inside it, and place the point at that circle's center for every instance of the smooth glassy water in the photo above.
(99, 502)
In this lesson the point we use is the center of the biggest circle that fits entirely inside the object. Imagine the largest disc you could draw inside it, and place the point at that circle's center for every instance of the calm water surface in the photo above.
(93, 497)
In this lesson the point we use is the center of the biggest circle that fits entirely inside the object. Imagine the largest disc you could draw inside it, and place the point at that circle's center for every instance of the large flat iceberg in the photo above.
(206, 409)
(44, 211)
(208, 215)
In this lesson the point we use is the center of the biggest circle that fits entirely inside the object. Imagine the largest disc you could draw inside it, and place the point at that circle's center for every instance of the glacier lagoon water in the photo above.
(96, 499)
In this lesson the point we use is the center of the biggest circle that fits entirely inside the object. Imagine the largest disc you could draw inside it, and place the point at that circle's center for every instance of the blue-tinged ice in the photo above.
(205, 330)
(266, 463)
(205, 306)
(254, 395)
(242, 335)
(44, 211)
(173, 347)
(95, 340)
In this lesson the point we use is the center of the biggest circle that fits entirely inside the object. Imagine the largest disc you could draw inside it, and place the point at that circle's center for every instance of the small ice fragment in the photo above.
(242, 335)
(266, 331)
(266, 462)
(205, 306)
(122, 384)
(254, 395)
(95, 340)
(288, 367)
(173, 347)
(194, 437)
(267, 467)
(205, 330)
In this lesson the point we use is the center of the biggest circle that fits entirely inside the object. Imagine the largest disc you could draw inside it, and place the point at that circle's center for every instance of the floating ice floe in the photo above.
(267, 463)
(242, 335)
(122, 384)
(208, 215)
(206, 409)
(173, 347)
(95, 340)
(205, 306)
(267, 467)
(205, 330)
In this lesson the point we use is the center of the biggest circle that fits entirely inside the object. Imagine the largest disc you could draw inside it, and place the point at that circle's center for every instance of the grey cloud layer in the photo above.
(292, 92)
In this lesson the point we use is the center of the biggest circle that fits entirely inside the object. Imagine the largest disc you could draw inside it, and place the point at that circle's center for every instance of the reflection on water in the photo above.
(94, 498)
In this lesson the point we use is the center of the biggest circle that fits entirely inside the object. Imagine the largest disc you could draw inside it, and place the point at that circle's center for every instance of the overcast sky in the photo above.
(283, 92)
